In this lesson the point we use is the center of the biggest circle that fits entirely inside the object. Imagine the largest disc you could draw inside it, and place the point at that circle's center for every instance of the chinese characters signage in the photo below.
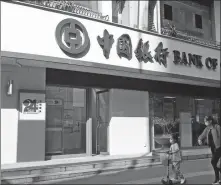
(106, 43)
(142, 52)
(32, 106)
(73, 39)
(124, 46)
(161, 54)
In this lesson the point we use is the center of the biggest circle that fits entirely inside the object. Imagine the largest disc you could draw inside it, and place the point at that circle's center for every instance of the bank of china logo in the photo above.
(72, 38)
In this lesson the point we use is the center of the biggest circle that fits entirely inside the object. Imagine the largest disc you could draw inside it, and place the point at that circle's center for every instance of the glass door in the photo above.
(102, 115)
(74, 122)
(66, 114)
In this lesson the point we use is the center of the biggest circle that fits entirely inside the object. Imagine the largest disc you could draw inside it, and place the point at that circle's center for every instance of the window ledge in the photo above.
(193, 39)
(68, 6)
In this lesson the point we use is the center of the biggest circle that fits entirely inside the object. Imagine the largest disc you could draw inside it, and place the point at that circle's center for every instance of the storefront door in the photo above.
(102, 116)
(66, 115)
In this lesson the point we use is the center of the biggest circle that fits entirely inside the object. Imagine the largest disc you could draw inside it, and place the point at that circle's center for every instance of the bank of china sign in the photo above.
(72, 38)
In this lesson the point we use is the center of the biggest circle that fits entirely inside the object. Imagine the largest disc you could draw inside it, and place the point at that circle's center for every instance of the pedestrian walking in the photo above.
(212, 135)
(176, 159)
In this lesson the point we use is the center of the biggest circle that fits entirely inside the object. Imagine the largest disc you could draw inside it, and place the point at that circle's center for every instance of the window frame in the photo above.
(92, 5)
(193, 112)
(165, 7)
(198, 25)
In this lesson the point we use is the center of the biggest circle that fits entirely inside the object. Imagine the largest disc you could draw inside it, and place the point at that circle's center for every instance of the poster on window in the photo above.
(32, 106)
(78, 97)
(168, 110)
(54, 102)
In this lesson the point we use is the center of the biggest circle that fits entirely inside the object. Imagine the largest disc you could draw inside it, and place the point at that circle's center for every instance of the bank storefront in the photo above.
(79, 87)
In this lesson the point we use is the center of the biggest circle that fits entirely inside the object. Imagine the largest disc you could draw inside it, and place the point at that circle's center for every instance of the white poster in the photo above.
(32, 106)
(54, 102)
(78, 97)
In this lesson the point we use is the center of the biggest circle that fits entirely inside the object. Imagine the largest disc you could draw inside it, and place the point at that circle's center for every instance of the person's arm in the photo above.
(170, 150)
(203, 135)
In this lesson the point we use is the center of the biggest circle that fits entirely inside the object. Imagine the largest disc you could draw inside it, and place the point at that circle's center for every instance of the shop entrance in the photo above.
(66, 115)
(102, 118)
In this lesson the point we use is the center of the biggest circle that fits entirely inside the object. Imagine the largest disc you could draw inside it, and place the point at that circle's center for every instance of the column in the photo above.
(129, 131)
(105, 7)
(133, 13)
(217, 19)
(89, 137)
(213, 29)
(143, 15)
(157, 18)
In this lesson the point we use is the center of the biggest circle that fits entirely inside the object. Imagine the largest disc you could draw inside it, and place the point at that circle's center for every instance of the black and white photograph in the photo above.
(110, 92)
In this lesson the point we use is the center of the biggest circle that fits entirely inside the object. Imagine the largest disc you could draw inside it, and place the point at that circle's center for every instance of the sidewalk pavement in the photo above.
(195, 172)
(91, 166)
(205, 177)
(187, 153)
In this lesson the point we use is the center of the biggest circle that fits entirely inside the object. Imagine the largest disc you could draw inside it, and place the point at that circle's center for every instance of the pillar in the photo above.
(217, 19)
(143, 15)
(105, 7)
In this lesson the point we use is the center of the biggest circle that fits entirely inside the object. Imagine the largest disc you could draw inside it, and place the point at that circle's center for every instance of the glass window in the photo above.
(168, 12)
(180, 115)
(93, 5)
(198, 21)
(203, 107)
(65, 120)
(164, 118)
(120, 12)
(125, 13)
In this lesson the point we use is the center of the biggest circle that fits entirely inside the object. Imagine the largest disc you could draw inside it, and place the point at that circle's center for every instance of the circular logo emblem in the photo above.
(72, 38)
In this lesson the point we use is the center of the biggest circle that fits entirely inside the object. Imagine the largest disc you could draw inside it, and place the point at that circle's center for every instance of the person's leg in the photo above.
(174, 171)
(178, 172)
(219, 154)
(219, 166)
(214, 161)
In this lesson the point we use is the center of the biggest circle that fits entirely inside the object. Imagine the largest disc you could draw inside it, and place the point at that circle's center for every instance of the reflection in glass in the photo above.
(163, 117)
(165, 111)
(204, 107)
(66, 120)
(102, 110)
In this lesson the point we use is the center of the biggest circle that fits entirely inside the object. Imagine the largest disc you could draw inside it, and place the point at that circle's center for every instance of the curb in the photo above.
(79, 172)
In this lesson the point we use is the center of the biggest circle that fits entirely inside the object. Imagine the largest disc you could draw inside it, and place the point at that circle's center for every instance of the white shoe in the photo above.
(182, 181)
(175, 180)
